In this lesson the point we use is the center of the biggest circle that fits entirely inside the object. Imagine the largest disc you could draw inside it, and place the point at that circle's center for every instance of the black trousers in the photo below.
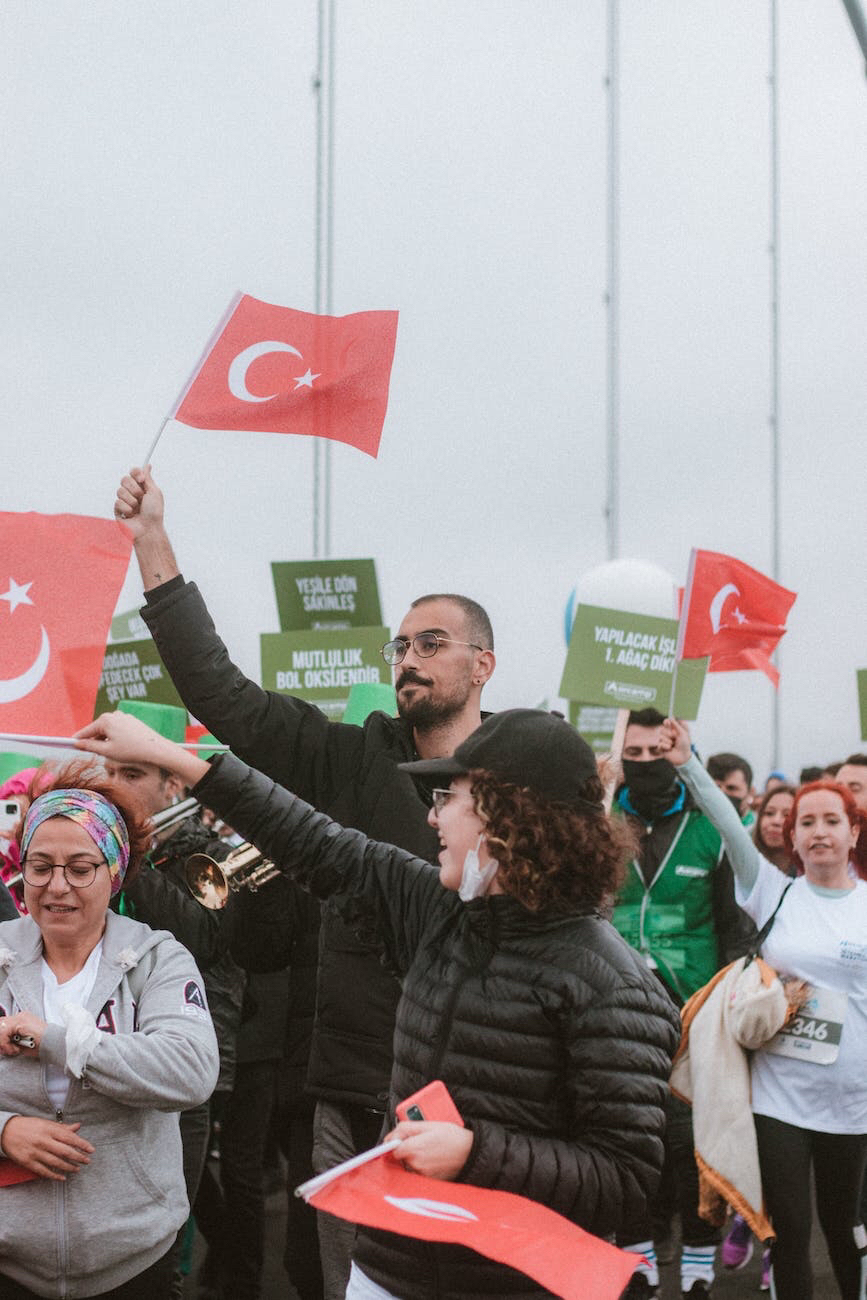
(679, 1188)
(153, 1284)
(230, 1215)
(787, 1154)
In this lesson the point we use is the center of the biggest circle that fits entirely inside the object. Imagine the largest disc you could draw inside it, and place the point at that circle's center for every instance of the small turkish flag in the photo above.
(513, 1230)
(732, 613)
(277, 370)
(60, 576)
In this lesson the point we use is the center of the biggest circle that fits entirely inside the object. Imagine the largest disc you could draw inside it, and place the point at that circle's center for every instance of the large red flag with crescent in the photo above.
(510, 1229)
(277, 370)
(732, 613)
(60, 576)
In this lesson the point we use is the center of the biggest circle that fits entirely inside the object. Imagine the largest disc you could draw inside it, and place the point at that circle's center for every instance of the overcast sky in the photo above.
(158, 156)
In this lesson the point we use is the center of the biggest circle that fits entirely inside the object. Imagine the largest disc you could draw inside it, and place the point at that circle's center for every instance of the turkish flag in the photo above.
(60, 576)
(732, 613)
(277, 370)
(511, 1229)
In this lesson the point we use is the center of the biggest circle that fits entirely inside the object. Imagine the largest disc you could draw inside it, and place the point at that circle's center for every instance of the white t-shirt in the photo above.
(822, 938)
(54, 997)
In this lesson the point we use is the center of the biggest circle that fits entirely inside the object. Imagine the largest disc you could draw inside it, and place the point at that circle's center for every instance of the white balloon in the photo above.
(242, 362)
(636, 586)
(15, 688)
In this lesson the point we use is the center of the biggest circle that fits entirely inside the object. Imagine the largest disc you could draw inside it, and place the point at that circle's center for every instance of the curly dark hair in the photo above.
(550, 856)
(85, 774)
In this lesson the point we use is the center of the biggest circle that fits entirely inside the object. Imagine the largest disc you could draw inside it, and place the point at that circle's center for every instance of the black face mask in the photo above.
(652, 786)
(735, 802)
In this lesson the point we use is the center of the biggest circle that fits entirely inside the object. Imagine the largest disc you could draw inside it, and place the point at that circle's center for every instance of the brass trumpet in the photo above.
(210, 882)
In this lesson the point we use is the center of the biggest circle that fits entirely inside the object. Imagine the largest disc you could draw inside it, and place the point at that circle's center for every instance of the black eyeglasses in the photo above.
(78, 875)
(425, 645)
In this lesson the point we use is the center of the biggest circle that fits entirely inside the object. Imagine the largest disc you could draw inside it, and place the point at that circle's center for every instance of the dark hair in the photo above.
(719, 766)
(85, 774)
(549, 855)
(760, 810)
(831, 769)
(813, 773)
(856, 760)
(857, 818)
(478, 624)
(645, 718)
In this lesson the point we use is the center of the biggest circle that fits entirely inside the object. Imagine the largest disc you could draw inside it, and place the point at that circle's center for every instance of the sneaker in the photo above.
(737, 1248)
(698, 1291)
(765, 1284)
(639, 1288)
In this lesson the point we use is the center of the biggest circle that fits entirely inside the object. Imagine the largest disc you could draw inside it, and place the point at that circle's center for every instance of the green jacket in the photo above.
(671, 921)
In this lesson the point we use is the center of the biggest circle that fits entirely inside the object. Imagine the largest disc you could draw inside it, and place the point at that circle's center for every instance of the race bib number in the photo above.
(814, 1033)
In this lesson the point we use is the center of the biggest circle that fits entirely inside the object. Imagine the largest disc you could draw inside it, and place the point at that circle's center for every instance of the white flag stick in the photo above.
(69, 742)
(673, 689)
(314, 1185)
(152, 448)
(215, 334)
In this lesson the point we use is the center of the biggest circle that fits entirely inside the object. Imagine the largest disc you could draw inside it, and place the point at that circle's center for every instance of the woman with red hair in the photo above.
(809, 1083)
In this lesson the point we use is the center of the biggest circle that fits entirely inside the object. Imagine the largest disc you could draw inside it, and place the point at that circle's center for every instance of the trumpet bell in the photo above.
(210, 882)
(206, 881)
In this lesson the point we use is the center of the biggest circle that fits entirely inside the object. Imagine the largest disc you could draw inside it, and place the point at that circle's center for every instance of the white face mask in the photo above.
(475, 878)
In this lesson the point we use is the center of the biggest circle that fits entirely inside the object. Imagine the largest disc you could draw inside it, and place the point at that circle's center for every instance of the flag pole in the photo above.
(673, 689)
(775, 342)
(612, 294)
(323, 85)
(152, 448)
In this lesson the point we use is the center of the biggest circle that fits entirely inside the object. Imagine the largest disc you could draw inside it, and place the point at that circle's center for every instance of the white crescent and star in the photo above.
(15, 688)
(716, 606)
(429, 1209)
(237, 377)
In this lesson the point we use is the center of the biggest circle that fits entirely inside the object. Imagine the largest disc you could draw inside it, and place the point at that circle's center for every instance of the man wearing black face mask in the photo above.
(677, 907)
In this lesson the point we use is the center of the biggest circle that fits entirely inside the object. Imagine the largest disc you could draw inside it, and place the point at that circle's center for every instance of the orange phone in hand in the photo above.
(430, 1102)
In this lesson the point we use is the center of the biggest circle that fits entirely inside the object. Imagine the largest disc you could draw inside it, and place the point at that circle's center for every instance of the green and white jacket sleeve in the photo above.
(740, 848)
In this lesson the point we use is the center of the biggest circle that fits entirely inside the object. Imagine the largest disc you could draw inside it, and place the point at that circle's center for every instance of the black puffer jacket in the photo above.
(348, 772)
(160, 897)
(552, 1037)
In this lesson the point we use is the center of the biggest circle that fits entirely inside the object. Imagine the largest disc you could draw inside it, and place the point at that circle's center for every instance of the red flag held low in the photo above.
(276, 370)
(732, 613)
(60, 576)
(510, 1229)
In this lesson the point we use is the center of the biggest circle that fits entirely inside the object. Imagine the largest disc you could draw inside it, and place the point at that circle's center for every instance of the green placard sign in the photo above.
(128, 626)
(595, 723)
(328, 594)
(323, 666)
(861, 675)
(626, 661)
(133, 670)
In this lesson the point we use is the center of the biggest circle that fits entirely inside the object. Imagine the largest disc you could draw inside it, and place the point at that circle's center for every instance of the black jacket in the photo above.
(346, 771)
(159, 897)
(553, 1039)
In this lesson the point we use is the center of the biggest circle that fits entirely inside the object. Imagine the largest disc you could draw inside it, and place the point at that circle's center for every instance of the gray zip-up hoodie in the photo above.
(115, 1217)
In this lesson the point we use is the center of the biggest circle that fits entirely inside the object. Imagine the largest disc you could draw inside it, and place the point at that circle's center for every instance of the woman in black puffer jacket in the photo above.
(552, 1037)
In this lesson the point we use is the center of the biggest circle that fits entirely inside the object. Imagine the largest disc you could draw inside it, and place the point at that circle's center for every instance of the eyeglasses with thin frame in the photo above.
(425, 645)
(78, 875)
(441, 798)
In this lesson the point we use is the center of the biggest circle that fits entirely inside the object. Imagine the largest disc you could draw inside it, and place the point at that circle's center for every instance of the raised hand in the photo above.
(675, 741)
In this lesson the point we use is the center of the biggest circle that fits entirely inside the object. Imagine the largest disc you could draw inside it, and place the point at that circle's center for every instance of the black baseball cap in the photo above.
(526, 747)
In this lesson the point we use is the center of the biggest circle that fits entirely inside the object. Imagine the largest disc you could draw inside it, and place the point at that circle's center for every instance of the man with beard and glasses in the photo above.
(442, 656)
(677, 907)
